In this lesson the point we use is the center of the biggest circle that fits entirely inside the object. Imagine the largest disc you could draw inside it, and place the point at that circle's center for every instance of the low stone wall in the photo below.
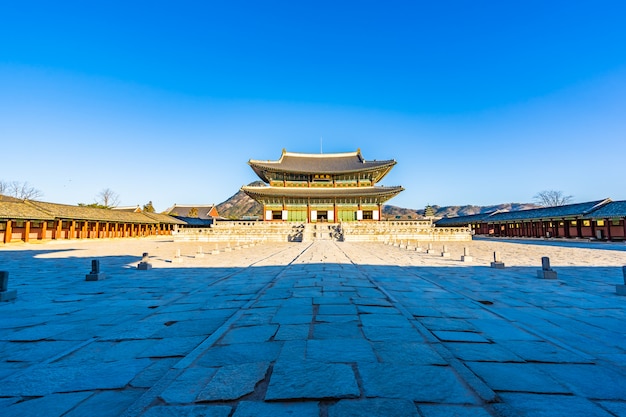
(384, 231)
(243, 231)
(414, 231)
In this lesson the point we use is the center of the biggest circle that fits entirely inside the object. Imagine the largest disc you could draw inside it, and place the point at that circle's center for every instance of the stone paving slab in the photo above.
(312, 329)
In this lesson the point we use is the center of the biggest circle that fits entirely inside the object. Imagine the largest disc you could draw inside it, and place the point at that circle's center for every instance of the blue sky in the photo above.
(480, 102)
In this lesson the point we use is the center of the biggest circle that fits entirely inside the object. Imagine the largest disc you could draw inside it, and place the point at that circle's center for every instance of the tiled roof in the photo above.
(163, 218)
(203, 210)
(194, 221)
(331, 163)
(20, 210)
(590, 210)
(40, 210)
(549, 213)
(610, 210)
(322, 192)
(10, 199)
(464, 220)
(63, 211)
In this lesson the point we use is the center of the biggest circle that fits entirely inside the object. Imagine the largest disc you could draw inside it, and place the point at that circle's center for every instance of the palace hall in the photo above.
(334, 187)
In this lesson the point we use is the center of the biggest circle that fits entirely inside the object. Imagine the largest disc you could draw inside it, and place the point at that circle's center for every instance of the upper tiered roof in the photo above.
(323, 163)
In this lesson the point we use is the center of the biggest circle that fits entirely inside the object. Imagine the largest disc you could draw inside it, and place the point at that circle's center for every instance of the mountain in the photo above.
(240, 205)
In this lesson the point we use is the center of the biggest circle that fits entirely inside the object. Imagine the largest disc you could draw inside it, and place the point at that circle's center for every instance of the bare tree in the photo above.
(108, 198)
(21, 190)
(552, 198)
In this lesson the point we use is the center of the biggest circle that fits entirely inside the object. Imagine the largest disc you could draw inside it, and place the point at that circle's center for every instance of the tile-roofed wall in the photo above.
(63, 211)
(163, 218)
(613, 209)
(463, 220)
(559, 212)
(22, 211)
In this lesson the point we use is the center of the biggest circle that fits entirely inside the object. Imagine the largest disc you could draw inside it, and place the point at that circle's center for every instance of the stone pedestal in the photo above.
(546, 271)
(95, 274)
(215, 252)
(466, 258)
(620, 289)
(546, 274)
(144, 266)
(8, 295)
(497, 265)
(5, 294)
(95, 277)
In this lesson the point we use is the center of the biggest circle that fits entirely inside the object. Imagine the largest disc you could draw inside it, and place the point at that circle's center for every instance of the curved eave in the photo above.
(380, 193)
(261, 168)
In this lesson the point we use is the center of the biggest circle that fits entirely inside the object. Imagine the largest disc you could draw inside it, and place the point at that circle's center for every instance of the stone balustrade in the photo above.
(383, 231)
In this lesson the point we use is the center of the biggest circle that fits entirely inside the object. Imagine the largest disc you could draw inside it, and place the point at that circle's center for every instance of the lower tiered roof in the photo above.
(379, 193)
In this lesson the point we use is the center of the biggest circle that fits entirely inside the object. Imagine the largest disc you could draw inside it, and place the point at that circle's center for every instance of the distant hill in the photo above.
(240, 205)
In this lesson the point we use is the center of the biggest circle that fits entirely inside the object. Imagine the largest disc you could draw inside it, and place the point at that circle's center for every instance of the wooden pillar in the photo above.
(8, 232)
(106, 230)
(57, 233)
(97, 236)
(26, 230)
(44, 229)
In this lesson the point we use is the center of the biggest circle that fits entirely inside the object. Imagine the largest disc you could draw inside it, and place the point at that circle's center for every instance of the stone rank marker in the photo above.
(619, 288)
(5, 294)
(430, 248)
(546, 271)
(445, 253)
(199, 252)
(144, 265)
(466, 255)
(177, 258)
(497, 262)
(95, 274)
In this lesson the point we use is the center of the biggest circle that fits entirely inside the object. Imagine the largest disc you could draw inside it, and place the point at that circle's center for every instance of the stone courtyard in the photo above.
(312, 329)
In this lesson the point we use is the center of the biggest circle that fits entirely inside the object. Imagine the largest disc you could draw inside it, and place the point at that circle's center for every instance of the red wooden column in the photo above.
(57, 233)
(26, 230)
(8, 232)
(44, 229)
